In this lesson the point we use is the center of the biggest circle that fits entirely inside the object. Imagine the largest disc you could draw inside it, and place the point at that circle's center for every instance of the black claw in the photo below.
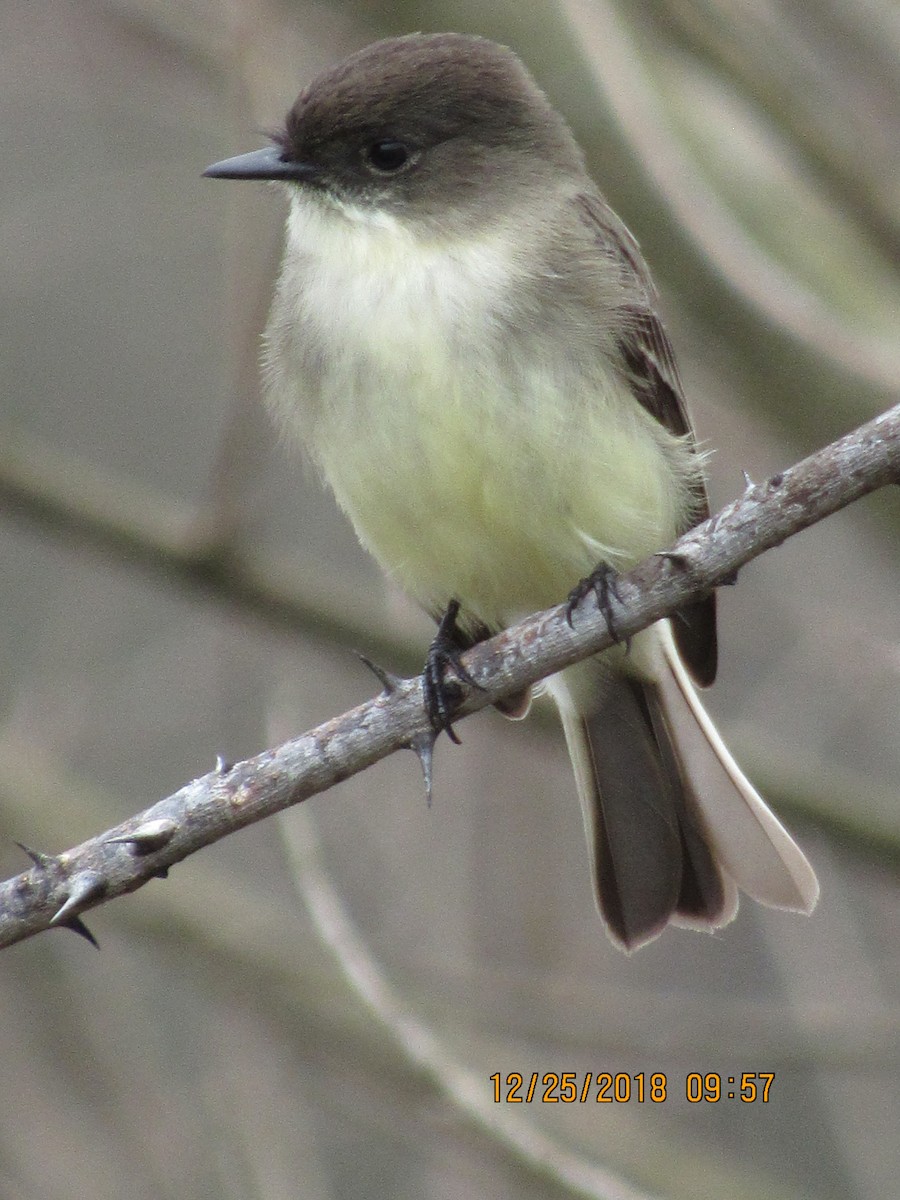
(602, 582)
(387, 679)
(443, 695)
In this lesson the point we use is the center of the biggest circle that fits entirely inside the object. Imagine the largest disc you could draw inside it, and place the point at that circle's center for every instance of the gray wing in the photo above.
(649, 364)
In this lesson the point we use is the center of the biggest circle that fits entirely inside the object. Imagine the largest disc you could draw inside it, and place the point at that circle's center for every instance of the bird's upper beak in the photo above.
(267, 163)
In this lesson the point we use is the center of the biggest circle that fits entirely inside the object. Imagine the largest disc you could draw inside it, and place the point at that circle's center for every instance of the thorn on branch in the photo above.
(388, 680)
(78, 926)
(44, 861)
(423, 747)
(83, 888)
(685, 557)
(149, 836)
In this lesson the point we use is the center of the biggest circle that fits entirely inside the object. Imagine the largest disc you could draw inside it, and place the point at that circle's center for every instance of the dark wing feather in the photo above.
(649, 363)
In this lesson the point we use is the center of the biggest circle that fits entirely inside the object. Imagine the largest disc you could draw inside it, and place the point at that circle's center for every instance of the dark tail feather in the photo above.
(673, 826)
(651, 860)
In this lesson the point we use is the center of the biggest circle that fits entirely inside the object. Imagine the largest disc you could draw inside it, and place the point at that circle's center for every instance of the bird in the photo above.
(466, 342)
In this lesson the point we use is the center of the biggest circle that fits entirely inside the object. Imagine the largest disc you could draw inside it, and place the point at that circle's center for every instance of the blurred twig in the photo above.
(728, 247)
(74, 500)
(121, 860)
(827, 74)
(430, 1052)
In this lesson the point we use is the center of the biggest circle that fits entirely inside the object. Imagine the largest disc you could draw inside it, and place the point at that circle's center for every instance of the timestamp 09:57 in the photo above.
(608, 1087)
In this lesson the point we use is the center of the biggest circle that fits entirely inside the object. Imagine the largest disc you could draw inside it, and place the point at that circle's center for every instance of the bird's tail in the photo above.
(674, 828)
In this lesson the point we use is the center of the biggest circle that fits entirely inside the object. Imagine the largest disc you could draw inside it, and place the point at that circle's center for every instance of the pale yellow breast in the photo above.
(466, 473)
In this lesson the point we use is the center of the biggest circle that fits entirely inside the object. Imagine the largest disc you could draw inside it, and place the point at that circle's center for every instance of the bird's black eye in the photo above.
(387, 155)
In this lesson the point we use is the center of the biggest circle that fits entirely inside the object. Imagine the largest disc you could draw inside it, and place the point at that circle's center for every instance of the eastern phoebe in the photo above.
(465, 338)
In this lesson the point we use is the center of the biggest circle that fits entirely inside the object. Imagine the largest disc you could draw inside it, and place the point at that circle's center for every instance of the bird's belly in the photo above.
(467, 489)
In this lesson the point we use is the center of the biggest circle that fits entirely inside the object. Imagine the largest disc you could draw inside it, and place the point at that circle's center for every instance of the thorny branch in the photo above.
(58, 888)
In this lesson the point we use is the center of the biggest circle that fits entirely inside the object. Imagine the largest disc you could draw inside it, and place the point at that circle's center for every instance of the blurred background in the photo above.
(314, 1007)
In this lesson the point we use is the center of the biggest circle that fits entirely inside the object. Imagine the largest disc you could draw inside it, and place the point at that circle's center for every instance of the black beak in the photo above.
(262, 164)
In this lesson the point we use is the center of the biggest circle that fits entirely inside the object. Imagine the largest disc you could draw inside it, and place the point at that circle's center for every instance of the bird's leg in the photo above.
(443, 693)
(602, 582)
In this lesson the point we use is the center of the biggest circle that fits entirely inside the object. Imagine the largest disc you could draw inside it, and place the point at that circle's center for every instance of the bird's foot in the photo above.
(443, 694)
(602, 583)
